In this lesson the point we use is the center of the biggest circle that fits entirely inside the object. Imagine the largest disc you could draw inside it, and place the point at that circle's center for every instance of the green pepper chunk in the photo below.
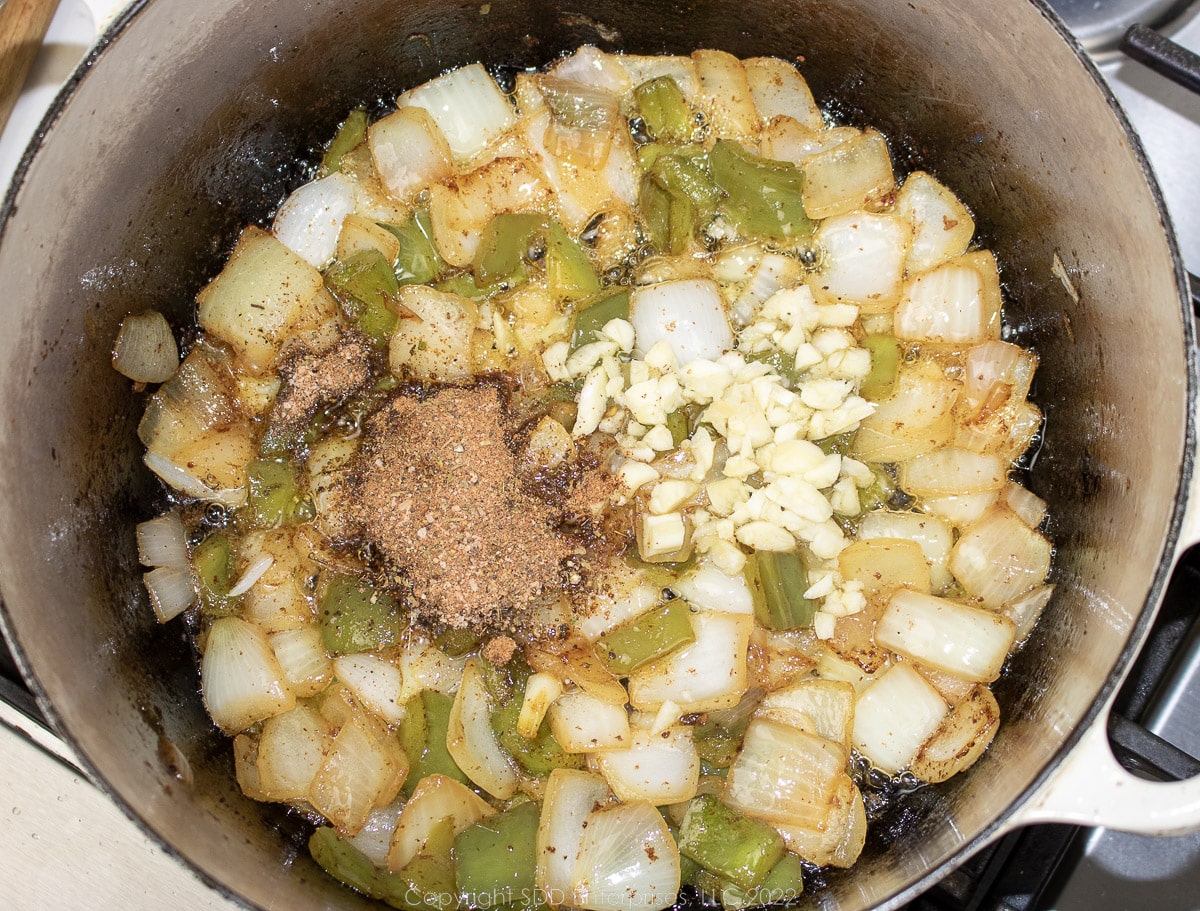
(763, 197)
(423, 738)
(274, 498)
(677, 197)
(840, 443)
(343, 861)
(778, 581)
(885, 363)
(494, 859)
(540, 755)
(591, 318)
(418, 262)
(505, 246)
(569, 272)
(723, 841)
(457, 642)
(677, 423)
(464, 285)
(647, 637)
(356, 617)
(784, 883)
(366, 285)
(349, 135)
(664, 110)
(781, 362)
(212, 561)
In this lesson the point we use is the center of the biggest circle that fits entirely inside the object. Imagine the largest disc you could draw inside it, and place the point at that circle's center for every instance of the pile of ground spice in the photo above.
(437, 490)
(313, 380)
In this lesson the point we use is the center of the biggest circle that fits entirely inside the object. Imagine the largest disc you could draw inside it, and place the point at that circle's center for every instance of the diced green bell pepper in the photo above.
(885, 363)
(677, 198)
(763, 197)
(540, 755)
(778, 581)
(275, 495)
(212, 561)
(724, 842)
(352, 132)
(783, 884)
(505, 245)
(457, 642)
(418, 262)
(356, 617)
(366, 285)
(569, 272)
(647, 637)
(677, 423)
(590, 319)
(423, 738)
(343, 861)
(780, 361)
(494, 859)
(425, 884)
(840, 444)
(464, 285)
(664, 110)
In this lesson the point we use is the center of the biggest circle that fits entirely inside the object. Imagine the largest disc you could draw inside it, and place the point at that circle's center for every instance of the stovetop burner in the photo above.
(1099, 24)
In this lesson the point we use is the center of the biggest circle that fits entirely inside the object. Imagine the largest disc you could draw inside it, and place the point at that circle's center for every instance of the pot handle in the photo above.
(1090, 788)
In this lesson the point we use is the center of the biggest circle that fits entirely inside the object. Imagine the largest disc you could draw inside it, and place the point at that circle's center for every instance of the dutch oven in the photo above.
(190, 120)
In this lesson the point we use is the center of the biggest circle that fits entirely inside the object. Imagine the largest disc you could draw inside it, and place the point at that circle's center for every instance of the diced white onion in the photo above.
(1025, 504)
(162, 541)
(301, 653)
(895, 715)
(708, 588)
(435, 799)
(778, 89)
(591, 66)
(943, 226)
(952, 471)
(1025, 610)
(915, 419)
(185, 483)
(145, 349)
(863, 259)
(619, 594)
(581, 723)
(1000, 557)
(364, 768)
(881, 564)
(933, 535)
(958, 302)
(963, 509)
(838, 840)
(996, 363)
(848, 175)
(724, 94)
(436, 343)
(467, 105)
(960, 739)
(409, 151)
(241, 680)
(828, 705)
(784, 775)
(253, 573)
(375, 836)
(708, 674)
(172, 590)
(291, 751)
(427, 667)
(310, 219)
(688, 315)
(570, 797)
(471, 741)
(376, 683)
(773, 272)
(661, 769)
(628, 861)
(540, 692)
(969, 642)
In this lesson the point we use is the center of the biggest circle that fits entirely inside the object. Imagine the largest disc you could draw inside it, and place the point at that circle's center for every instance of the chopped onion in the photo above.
(943, 226)
(778, 89)
(291, 751)
(301, 653)
(1025, 610)
(245, 765)
(848, 176)
(435, 343)
(253, 573)
(193, 401)
(375, 683)
(172, 590)
(772, 272)
(996, 364)
(960, 739)
(1000, 557)
(724, 94)
(541, 689)
(962, 509)
(374, 838)
(619, 594)
(162, 541)
(708, 674)
(310, 219)
(895, 715)
(956, 303)
(471, 741)
(583, 121)
(969, 642)
(628, 861)
(711, 589)
(364, 769)
(659, 768)
(1025, 504)
(786, 139)
(933, 535)
(863, 259)
(882, 564)
(688, 315)
(915, 419)
(435, 799)
(467, 105)
(593, 67)
(427, 667)
(838, 840)
(278, 601)
(570, 798)
(828, 706)
(953, 471)
(581, 723)
(784, 775)
(241, 680)
(186, 483)
(409, 151)
(145, 349)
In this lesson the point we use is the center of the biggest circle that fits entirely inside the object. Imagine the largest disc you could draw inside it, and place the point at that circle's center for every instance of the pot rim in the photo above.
(1005, 820)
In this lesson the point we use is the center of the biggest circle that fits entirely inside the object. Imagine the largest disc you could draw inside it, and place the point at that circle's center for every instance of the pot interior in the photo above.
(199, 118)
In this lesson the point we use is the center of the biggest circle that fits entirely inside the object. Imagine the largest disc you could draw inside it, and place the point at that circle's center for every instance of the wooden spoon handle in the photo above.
(23, 25)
